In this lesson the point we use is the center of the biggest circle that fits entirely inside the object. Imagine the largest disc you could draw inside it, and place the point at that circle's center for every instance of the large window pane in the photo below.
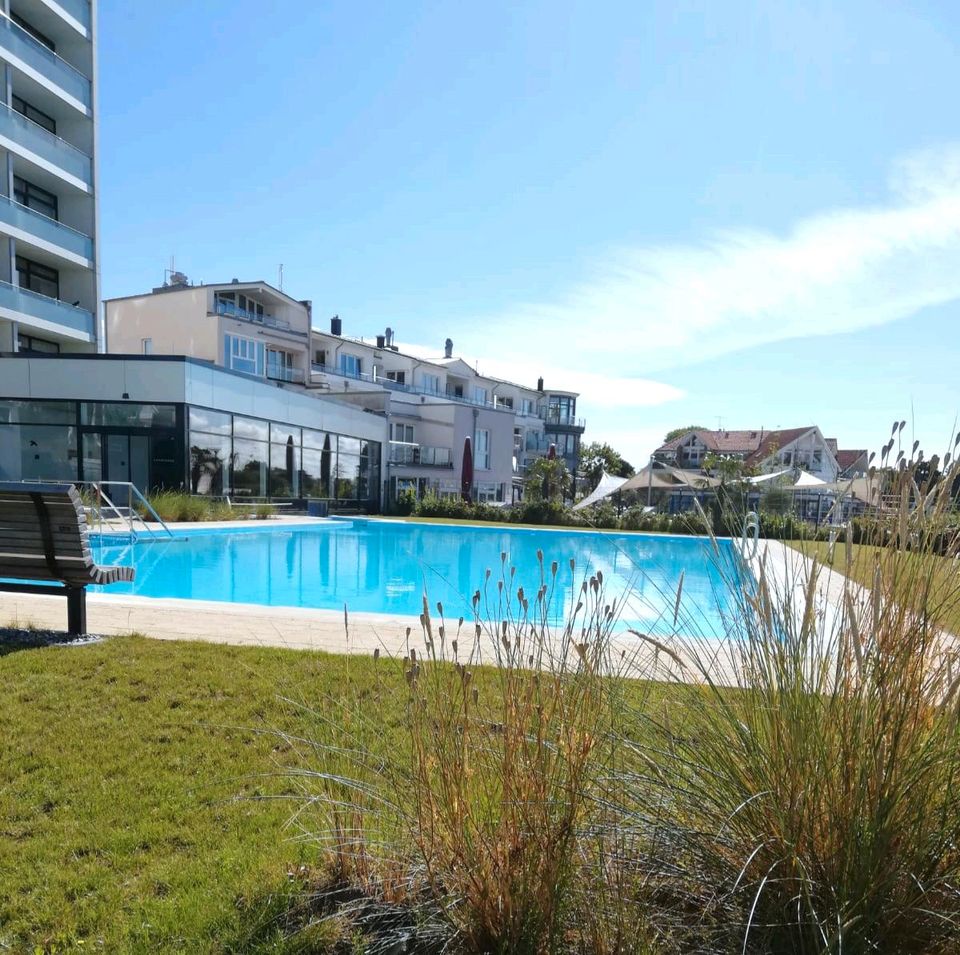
(314, 477)
(213, 422)
(347, 476)
(283, 434)
(252, 428)
(349, 445)
(249, 468)
(209, 463)
(284, 469)
(316, 439)
(34, 452)
(38, 412)
(128, 415)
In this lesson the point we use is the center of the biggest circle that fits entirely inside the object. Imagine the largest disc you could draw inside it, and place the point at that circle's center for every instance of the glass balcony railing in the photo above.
(392, 385)
(565, 418)
(48, 230)
(278, 373)
(18, 45)
(231, 310)
(24, 133)
(403, 452)
(47, 309)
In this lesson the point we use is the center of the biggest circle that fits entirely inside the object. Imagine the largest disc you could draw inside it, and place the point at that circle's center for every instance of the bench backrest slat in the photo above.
(44, 536)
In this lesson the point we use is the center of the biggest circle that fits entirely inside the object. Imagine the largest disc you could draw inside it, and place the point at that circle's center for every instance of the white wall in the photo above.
(177, 322)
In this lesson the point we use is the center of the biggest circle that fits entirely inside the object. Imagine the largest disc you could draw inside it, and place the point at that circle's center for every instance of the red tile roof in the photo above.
(754, 445)
(773, 440)
(848, 457)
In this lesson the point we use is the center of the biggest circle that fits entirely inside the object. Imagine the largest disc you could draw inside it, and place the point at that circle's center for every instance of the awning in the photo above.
(607, 485)
(772, 476)
(809, 480)
(666, 478)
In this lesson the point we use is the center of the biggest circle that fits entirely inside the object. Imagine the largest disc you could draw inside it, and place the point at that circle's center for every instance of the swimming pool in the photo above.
(383, 567)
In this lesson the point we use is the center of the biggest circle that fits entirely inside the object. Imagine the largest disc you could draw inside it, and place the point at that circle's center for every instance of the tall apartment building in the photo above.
(49, 287)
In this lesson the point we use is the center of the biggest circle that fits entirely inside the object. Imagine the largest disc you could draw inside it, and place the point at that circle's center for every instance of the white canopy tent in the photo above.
(607, 485)
(809, 480)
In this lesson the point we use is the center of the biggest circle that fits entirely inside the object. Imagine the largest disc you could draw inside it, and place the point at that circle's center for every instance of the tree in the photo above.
(680, 432)
(547, 480)
(595, 458)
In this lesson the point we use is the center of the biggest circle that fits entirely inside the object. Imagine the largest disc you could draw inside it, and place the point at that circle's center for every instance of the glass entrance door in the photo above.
(118, 457)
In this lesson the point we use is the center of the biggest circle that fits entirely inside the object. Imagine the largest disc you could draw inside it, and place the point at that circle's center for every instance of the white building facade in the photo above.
(250, 327)
(49, 266)
(433, 404)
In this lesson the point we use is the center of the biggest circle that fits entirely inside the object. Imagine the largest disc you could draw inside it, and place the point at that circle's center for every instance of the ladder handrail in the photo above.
(751, 533)
(133, 491)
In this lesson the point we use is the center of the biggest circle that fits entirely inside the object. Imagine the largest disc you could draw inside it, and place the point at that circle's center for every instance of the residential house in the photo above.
(433, 404)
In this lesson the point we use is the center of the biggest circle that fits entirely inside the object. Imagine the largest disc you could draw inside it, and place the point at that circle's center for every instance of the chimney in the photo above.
(539, 384)
(336, 326)
(308, 305)
(448, 348)
(381, 339)
(388, 337)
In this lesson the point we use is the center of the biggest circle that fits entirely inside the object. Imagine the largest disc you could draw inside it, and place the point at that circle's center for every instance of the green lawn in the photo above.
(862, 571)
(130, 772)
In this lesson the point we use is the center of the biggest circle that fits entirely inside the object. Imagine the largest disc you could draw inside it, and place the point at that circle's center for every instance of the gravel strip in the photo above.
(12, 638)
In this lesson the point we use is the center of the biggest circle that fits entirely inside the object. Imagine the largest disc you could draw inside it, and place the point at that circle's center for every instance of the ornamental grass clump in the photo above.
(486, 822)
(812, 798)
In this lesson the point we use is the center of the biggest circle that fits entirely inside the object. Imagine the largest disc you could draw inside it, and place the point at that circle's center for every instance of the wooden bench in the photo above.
(44, 537)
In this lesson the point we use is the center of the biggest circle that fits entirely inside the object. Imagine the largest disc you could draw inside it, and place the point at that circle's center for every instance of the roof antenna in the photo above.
(281, 277)
(719, 423)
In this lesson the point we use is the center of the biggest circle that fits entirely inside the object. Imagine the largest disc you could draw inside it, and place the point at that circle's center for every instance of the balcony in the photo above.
(392, 385)
(30, 56)
(419, 455)
(55, 315)
(563, 419)
(37, 229)
(78, 10)
(39, 146)
(230, 310)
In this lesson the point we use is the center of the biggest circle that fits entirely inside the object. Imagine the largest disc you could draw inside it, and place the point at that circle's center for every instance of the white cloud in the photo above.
(837, 271)
(663, 306)
(603, 391)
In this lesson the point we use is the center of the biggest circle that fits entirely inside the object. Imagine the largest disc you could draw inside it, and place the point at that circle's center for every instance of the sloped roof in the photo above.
(847, 457)
(773, 440)
(756, 444)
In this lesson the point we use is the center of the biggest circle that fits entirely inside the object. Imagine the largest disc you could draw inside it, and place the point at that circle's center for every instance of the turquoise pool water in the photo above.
(383, 567)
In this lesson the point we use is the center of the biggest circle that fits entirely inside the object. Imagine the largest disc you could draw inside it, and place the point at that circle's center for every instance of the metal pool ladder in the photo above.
(751, 535)
(103, 506)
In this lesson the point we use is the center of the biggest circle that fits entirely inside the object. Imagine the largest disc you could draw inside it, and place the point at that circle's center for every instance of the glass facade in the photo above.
(38, 441)
(184, 447)
(251, 458)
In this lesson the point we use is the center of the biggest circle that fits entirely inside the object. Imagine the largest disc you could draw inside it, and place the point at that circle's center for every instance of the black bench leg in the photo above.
(76, 611)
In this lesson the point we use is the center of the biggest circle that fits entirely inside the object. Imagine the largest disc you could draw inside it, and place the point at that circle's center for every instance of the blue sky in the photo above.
(688, 211)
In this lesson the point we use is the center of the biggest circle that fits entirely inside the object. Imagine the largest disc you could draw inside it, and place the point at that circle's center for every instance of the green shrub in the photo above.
(456, 508)
(263, 511)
